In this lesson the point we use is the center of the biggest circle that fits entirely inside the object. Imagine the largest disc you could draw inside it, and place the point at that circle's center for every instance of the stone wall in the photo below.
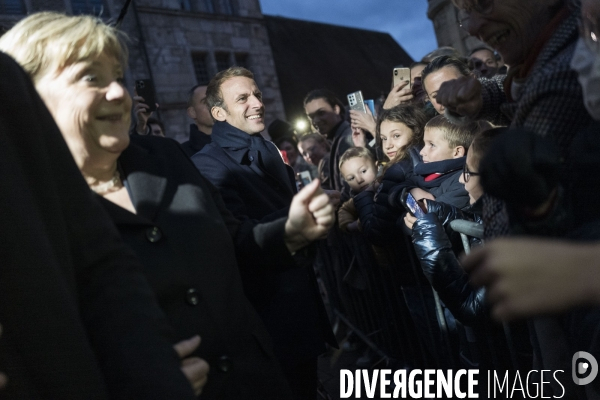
(171, 35)
(444, 16)
(163, 35)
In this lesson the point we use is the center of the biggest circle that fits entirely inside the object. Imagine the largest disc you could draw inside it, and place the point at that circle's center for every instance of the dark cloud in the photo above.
(406, 21)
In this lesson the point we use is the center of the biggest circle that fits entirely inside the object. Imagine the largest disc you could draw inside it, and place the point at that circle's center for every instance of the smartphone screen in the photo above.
(413, 206)
(305, 177)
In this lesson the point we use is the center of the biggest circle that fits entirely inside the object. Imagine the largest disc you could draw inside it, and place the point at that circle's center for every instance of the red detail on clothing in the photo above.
(433, 176)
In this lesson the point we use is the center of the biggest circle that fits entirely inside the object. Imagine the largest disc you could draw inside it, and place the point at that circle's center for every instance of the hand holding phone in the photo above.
(145, 89)
(411, 204)
(357, 102)
(401, 75)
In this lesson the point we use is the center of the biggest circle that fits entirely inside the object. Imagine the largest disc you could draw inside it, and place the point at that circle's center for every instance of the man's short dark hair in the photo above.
(476, 49)
(317, 137)
(445, 61)
(326, 95)
(214, 96)
(190, 102)
(154, 121)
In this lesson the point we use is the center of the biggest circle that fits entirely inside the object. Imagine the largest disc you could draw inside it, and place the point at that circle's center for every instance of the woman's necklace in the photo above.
(112, 185)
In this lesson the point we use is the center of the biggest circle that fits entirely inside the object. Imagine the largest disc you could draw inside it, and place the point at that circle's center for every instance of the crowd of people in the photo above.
(137, 267)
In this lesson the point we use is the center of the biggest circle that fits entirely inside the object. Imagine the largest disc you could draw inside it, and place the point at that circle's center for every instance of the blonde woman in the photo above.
(172, 218)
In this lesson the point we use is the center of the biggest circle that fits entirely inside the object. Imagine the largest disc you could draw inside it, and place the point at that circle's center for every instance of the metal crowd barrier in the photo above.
(382, 297)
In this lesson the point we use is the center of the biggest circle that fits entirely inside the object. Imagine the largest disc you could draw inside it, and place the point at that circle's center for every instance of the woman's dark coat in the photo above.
(184, 236)
(79, 320)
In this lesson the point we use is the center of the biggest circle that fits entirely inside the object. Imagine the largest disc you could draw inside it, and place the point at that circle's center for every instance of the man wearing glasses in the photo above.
(536, 38)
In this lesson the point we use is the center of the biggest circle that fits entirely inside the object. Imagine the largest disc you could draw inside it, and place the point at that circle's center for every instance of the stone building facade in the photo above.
(447, 30)
(178, 44)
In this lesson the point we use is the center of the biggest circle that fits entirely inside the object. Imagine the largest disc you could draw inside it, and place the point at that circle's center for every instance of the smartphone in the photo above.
(371, 105)
(357, 102)
(305, 177)
(401, 75)
(302, 179)
(411, 204)
(145, 88)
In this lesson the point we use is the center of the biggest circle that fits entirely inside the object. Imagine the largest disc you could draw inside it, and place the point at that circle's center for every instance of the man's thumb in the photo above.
(308, 191)
(187, 347)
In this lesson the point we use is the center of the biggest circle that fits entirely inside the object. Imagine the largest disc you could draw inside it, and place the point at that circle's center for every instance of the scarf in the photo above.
(269, 159)
(432, 174)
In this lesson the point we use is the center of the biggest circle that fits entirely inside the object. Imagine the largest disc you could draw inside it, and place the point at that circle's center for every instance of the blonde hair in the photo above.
(49, 41)
(458, 135)
(356, 152)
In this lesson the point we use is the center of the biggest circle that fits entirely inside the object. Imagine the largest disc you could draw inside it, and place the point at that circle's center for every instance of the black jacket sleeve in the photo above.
(444, 272)
(377, 217)
(258, 244)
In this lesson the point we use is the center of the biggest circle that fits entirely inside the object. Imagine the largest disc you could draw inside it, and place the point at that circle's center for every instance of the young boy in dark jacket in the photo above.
(443, 158)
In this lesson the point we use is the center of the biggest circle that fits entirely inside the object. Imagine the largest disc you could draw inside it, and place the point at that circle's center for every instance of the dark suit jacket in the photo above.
(182, 233)
(196, 142)
(287, 297)
(74, 305)
(341, 140)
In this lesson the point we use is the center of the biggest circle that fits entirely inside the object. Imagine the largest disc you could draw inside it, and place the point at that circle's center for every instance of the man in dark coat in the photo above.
(201, 129)
(326, 113)
(79, 320)
(256, 185)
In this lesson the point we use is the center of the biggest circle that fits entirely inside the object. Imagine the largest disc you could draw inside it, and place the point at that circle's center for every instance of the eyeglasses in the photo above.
(468, 174)
(589, 29)
(482, 7)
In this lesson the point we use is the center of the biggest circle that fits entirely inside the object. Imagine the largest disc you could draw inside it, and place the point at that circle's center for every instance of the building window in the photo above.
(92, 7)
(207, 6)
(201, 68)
(12, 7)
(241, 60)
(227, 7)
(222, 60)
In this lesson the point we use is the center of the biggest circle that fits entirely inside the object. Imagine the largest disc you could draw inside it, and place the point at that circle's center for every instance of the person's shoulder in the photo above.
(345, 131)
(453, 178)
(155, 144)
(211, 152)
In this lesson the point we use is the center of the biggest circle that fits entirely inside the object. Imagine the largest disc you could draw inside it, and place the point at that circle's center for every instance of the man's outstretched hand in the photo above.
(461, 96)
(310, 217)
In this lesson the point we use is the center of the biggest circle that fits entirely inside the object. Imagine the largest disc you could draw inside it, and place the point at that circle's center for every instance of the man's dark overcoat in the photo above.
(286, 297)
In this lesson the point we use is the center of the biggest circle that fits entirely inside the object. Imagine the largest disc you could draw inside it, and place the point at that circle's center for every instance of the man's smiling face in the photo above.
(509, 26)
(243, 105)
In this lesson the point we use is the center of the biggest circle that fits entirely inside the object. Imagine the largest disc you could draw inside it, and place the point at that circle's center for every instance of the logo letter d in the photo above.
(584, 367)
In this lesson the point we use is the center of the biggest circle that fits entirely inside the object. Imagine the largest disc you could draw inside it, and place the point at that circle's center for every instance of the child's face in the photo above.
(436, 147)
(394, 136)
(312, 151)
(359, 172)
(473, 186)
